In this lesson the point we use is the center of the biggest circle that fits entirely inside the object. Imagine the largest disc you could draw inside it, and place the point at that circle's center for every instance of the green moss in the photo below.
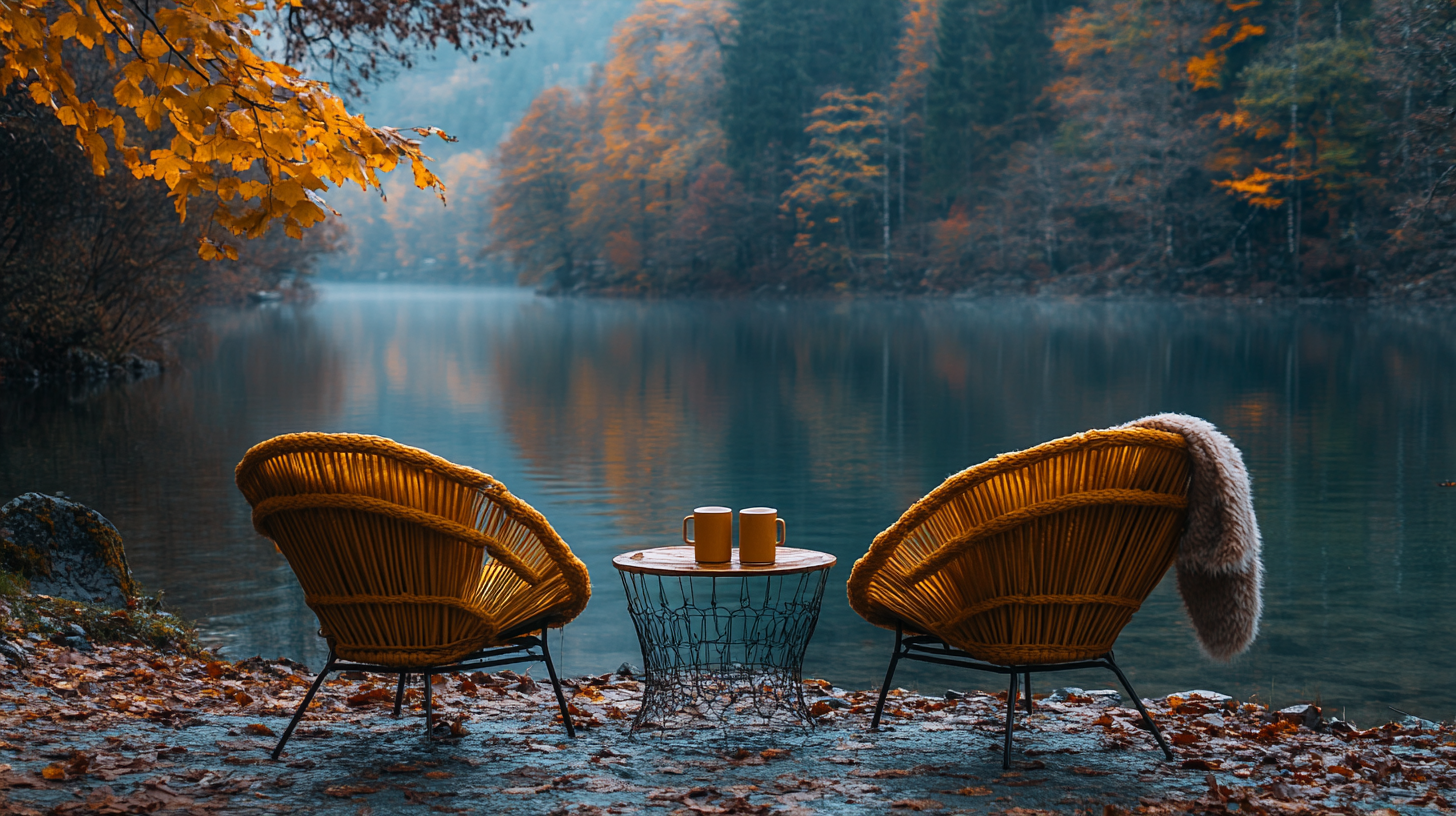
(113, 554)
(144, 623)
(34, 561)
(13, 585)
(23, 560)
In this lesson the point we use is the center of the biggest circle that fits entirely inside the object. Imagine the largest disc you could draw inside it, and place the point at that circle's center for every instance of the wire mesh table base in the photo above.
(718, 646)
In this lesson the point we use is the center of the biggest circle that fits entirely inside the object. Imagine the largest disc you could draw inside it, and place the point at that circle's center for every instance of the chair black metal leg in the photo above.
(429, 705)
(889, 677)
(1138, 701)
(556, 684)
(1010, 721)
(303, 706)
(399, 692)
(1028, 692)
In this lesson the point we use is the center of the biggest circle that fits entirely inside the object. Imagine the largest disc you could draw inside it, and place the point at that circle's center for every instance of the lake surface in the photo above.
(616, 418)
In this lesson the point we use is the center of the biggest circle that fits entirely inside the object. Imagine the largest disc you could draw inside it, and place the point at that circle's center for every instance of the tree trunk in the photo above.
(885, 220)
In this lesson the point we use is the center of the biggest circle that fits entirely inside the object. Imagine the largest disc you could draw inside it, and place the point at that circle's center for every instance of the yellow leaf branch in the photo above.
(279, 138)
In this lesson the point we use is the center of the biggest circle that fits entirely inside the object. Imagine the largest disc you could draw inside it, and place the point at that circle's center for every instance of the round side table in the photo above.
(722, 639)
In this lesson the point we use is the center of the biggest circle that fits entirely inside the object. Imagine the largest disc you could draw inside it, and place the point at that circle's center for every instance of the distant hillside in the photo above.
(413, 237)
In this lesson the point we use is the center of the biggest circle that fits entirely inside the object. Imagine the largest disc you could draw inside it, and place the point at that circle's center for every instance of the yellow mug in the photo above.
(712, 537)
(760, 531)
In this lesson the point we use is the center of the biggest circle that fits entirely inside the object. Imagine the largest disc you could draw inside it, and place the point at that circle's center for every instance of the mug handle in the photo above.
(783, 532)
(687, 540)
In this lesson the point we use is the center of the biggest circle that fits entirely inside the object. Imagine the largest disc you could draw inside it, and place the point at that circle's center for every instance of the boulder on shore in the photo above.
(66, 550)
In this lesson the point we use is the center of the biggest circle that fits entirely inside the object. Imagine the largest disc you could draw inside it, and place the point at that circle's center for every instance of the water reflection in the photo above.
(617, 417)
(156, 458)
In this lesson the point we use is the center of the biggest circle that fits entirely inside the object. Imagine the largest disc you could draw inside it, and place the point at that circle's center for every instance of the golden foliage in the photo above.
(917, 51)
(1255, 188)
(254, 132)
(530, 216)
(1123, 28)
(1207, 70)
(1328, 152)
(843, 170)
(605, 178)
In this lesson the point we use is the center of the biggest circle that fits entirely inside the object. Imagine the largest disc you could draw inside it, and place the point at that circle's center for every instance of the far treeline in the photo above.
(1252, 147)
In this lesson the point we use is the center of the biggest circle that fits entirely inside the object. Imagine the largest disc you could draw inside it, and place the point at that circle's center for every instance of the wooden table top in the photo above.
(679, 561)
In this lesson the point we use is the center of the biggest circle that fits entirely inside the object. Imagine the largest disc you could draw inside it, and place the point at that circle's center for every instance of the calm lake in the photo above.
(615, 418)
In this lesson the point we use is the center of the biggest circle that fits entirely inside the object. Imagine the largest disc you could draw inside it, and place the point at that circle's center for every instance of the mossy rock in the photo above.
(65, 550)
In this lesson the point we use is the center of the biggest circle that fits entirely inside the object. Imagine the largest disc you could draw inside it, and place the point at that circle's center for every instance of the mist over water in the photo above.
(616, 418)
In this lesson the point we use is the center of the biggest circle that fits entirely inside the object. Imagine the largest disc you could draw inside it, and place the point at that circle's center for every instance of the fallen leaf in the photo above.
(379, 695)
(887, 773)
(347, 791)
(917, 804)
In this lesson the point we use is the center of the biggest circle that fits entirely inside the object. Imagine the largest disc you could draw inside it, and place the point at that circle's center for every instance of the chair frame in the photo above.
(1013, 581)
(930, 649)
(517, 651)
(414, 489)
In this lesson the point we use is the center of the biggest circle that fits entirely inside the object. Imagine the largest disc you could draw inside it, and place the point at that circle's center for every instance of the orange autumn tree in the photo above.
(531, 207)
(602, 186)
(657, 99)
(1141, 82)
(841, 175)
(255, 133)
(1304, 140)
(916, 53)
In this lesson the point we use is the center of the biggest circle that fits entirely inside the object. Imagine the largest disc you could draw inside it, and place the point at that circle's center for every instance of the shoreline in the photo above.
(140, 729)
(765, 293)
(93, 371)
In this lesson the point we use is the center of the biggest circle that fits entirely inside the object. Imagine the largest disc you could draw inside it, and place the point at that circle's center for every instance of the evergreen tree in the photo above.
(786, 53)
(992, 62)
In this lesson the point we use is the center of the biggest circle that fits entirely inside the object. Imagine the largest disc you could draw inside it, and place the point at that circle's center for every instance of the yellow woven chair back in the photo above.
(407, 559)
(1039, 556)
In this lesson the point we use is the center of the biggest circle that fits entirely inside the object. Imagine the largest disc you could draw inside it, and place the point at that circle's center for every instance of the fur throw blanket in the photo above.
(1220, 571)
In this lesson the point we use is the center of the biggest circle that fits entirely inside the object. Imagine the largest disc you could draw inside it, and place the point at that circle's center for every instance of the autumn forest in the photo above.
(158, 156)
(1247, 147)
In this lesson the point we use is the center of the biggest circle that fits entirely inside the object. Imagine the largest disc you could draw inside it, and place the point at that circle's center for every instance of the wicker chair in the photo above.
(412, 564)
(1033, 561)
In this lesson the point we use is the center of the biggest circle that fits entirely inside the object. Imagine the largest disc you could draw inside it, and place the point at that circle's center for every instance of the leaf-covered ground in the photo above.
(125, 729)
